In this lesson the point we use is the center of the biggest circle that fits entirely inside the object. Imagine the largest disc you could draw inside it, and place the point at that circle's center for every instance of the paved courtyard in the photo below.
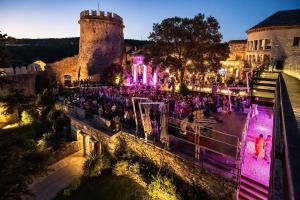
(60, 175)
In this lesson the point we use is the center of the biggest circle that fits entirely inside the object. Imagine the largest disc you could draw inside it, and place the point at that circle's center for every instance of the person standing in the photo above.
(259, 146)
(268, 147)
(254, 109)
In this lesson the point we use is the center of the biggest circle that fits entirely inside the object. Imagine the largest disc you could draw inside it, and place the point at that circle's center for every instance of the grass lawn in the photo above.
(107, 187)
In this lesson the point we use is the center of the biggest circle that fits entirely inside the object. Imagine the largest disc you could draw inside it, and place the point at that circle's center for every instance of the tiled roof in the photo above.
(237, 41)
(280, 18)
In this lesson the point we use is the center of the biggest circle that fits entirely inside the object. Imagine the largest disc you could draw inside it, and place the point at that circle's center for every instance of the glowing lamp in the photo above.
(154, 79)
(144, 74)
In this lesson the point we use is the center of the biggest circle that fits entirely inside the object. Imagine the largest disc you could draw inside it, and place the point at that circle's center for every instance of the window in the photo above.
(260, 44)
(255, 44)
(296, 41)
(267, 44)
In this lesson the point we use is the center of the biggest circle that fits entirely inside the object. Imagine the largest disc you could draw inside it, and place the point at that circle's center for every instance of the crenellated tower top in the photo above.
(102, 15)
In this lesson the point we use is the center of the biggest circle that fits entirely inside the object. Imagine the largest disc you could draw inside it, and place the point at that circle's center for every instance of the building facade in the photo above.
(234, 65)
(101, 46)
(275, 39)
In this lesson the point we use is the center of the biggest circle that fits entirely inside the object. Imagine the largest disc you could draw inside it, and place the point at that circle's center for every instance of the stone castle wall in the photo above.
(23, 82)
(101, 43)
(66, 66)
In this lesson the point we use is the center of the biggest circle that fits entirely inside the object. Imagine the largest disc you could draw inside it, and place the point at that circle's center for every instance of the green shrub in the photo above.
(94, 165)
(75, 183)
(162, 189)
(135, 168)
(30, 144)
(41, 144)
(26, 118)
(121, 168)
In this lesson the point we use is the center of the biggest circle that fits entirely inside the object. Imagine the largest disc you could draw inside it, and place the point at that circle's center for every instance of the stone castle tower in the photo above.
(101, 43)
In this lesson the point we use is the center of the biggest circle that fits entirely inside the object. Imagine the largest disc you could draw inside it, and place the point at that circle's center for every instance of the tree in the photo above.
(16, 102)
(4, 58)
(187, 42)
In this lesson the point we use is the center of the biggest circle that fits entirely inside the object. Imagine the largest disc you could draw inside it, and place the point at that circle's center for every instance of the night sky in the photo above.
(59, 18)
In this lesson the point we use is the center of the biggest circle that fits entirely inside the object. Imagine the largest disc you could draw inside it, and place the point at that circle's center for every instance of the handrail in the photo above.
(201, 126)
(285, 174)
(256, 73)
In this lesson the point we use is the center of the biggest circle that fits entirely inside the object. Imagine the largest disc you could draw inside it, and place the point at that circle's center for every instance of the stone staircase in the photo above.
(252, 190)
(264, 88)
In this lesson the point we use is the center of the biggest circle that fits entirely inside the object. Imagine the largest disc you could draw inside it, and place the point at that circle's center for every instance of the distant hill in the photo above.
(26, 51)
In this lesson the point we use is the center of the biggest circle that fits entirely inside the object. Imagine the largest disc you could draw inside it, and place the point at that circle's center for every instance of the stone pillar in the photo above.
(264, 44)
(98, 148)
(79, 138)
(86, 145)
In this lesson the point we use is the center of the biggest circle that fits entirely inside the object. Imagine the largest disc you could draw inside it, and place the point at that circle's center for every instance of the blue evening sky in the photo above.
(59, 18)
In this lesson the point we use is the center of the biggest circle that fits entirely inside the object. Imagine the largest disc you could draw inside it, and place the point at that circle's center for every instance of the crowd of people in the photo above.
(110, 102)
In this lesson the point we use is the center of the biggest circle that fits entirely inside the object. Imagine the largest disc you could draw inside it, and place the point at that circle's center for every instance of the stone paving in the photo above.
(258, 170)
(60, 175)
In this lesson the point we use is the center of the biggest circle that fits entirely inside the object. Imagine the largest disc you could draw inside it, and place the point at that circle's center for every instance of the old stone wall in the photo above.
(281, 42)
(23, 82)
(188, 171)
(216, 186)
(237, 50)
(292, 66)
(101, 44)
(66, 66)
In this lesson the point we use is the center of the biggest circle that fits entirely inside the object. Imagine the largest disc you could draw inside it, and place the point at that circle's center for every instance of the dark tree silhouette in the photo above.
(3, 50)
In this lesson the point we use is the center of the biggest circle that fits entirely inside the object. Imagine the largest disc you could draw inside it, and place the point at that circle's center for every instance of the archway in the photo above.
(67, 80)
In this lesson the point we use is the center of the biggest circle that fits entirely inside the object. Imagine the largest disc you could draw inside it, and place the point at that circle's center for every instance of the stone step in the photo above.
(266, 79)
(271, 72)
(264, 88)
(267, 83)
(246, 193)
(269, 75)
(262, 94)
(262, 190)
(255, 182)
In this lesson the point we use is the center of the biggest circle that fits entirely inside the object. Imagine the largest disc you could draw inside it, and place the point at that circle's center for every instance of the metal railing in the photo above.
(219, 152)
(285, 165)
(255, 75)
